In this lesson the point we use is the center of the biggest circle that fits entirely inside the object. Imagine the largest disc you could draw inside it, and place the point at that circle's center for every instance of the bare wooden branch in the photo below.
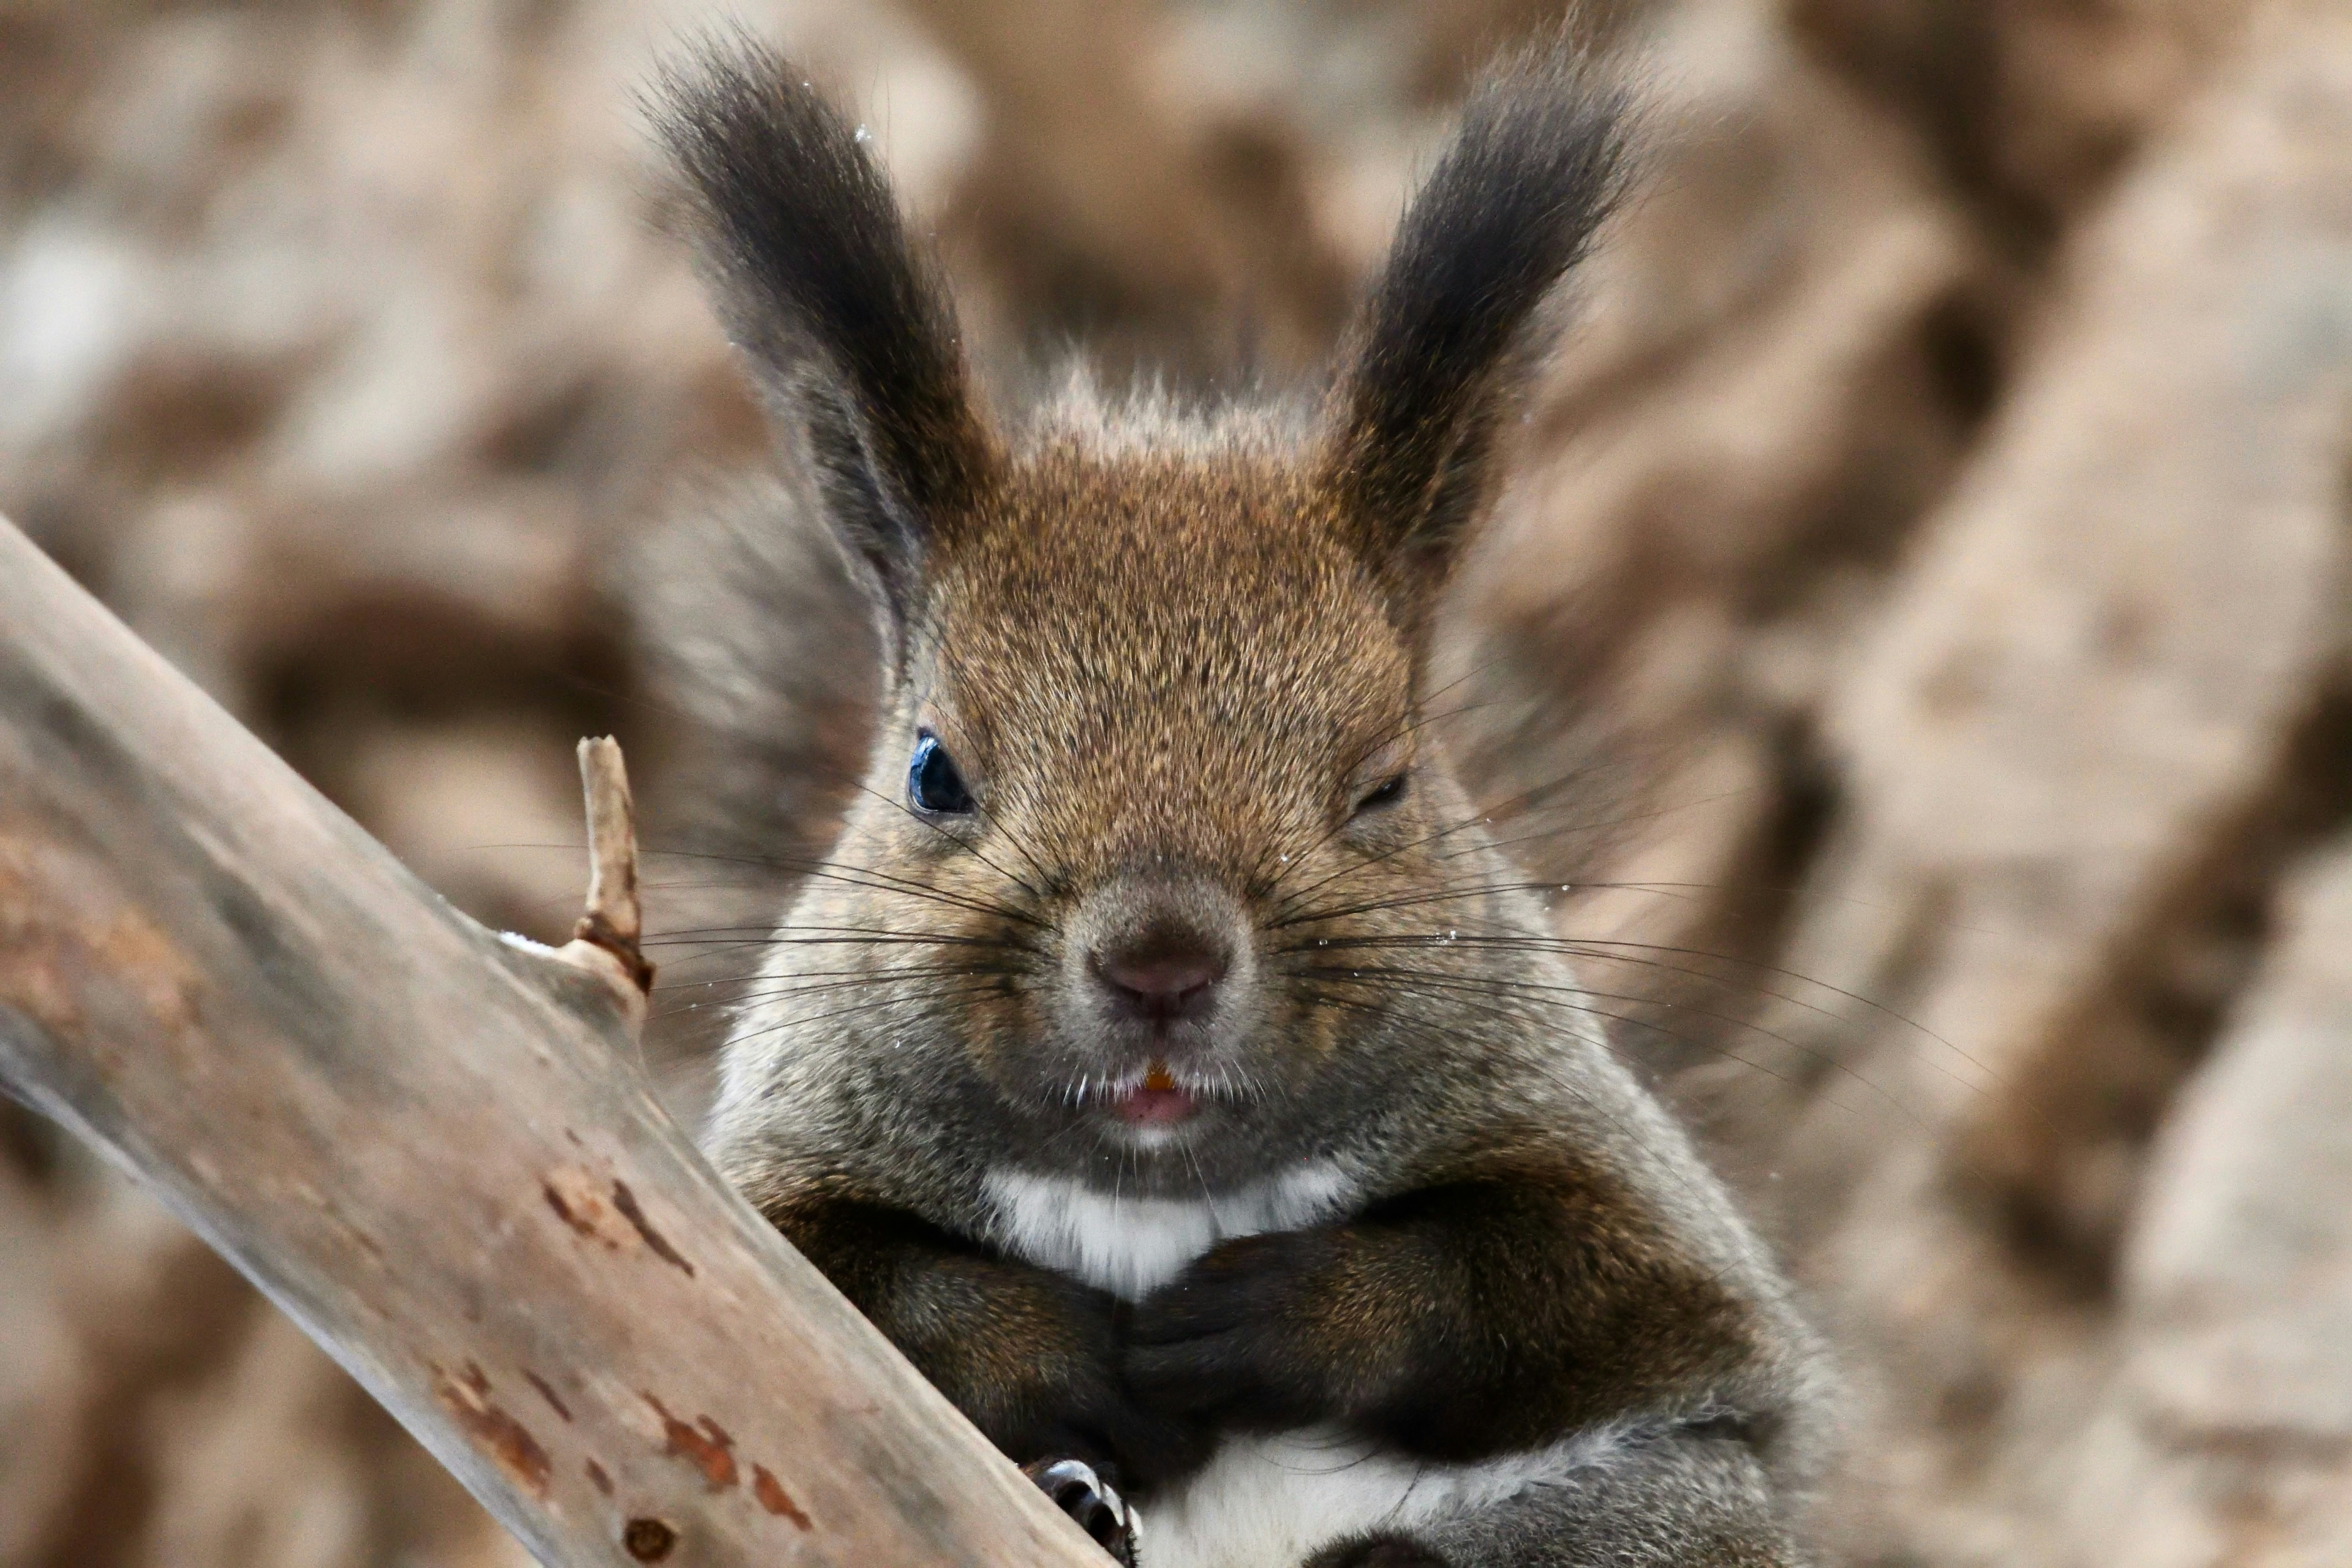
(429, 1144)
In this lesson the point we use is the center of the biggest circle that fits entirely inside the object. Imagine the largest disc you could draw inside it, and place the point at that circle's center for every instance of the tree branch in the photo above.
(431, 1146)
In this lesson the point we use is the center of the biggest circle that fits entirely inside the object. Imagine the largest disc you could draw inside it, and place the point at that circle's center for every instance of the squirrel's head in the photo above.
(1154, 815)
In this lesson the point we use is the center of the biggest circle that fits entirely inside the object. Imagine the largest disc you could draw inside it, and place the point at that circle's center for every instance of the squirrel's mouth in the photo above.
(1158, 1101)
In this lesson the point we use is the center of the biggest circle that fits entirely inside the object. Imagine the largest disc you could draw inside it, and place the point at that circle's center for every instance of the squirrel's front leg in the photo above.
(1028, 1355)
(1509, 1307)
(1514, 1306)
(1673, 1499)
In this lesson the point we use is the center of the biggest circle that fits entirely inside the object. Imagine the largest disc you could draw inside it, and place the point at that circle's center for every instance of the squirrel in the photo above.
(1167, 1060)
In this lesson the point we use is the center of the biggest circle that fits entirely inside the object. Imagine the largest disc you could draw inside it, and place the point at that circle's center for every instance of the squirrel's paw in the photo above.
(1125, 1441)
(1377, 1551)
(1080, 1491)
(1232, 1338)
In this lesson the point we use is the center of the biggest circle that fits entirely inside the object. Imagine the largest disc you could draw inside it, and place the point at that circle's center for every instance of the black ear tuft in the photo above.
(1510, 207)
(851, 329)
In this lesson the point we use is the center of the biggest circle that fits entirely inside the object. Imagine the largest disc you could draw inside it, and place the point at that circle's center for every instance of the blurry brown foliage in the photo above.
(1937, 525)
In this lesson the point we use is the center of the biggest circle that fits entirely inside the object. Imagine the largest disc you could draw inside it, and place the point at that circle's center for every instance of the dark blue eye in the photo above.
(933, 786)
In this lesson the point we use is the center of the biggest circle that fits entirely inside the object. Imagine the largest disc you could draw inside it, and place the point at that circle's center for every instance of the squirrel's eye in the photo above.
(933, 786)
(1388, 792)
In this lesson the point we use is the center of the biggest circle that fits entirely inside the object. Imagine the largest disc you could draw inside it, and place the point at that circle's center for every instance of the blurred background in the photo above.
(1916, 624)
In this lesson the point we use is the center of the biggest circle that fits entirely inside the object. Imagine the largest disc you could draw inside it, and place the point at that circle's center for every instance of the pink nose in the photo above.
(1161, 981)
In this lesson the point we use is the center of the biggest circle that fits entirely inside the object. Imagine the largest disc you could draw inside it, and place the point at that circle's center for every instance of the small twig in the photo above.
(611, 925)
(613, 920)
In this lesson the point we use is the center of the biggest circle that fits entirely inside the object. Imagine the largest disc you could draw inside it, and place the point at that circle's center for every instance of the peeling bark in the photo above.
(431, 1145)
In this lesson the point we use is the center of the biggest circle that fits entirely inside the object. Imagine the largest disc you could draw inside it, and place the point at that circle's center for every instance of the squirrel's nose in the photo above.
(1162, 978)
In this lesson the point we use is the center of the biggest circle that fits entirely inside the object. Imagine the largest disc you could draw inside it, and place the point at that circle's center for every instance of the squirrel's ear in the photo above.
(850, 328)
(1437, 351)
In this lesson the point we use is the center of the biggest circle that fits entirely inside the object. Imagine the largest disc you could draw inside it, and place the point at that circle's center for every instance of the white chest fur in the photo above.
(1131, 1246)
(1263, 1501)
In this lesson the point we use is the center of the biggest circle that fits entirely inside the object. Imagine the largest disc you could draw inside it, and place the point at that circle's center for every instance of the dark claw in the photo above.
(1078, 1491)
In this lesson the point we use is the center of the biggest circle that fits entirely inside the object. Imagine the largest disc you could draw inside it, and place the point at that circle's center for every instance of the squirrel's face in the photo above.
(1153, 781)
(1153, 810)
